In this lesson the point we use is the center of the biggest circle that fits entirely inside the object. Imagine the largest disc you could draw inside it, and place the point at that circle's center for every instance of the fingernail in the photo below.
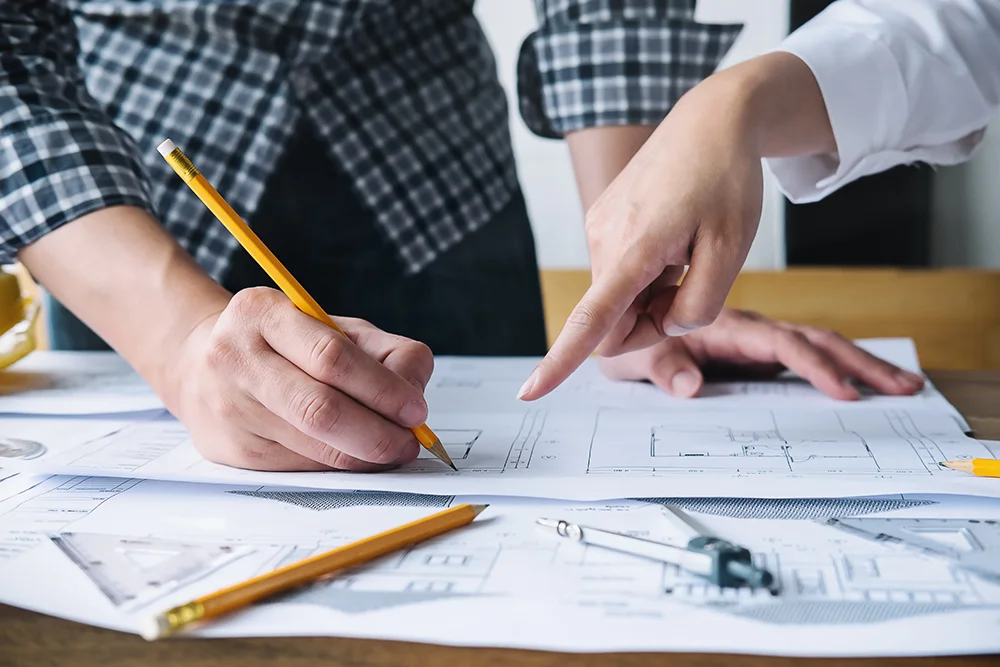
(909, 379)
(847, 384)
(678, 330)
(413, 414)
(528, 385)
(684, 383)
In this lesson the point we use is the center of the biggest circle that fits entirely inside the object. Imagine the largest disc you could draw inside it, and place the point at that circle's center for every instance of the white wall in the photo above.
(966, 219)
(544, 165)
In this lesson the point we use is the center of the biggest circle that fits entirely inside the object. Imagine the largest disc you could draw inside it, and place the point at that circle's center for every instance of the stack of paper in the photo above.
(95, 471)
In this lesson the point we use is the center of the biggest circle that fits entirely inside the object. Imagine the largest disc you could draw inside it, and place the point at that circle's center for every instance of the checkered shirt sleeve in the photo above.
(60, 155)
(596, 63)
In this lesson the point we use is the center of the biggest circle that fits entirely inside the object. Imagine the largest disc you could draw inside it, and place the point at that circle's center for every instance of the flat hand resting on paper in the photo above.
(263, 373)
(753, 344)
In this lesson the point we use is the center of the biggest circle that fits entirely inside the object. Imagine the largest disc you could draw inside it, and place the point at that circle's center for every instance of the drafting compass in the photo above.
(971, 544)
(718, 560)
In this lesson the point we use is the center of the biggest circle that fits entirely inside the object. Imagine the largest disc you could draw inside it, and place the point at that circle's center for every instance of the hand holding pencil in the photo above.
(275, 384)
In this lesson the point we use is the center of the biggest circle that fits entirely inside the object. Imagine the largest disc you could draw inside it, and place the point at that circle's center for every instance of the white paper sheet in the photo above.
(79, 383)
(501, 582)
(471, 383)
(74, 383)
(600, 454)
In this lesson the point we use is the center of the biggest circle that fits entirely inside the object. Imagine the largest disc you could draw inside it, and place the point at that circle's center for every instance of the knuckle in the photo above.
(225, 408)
(330, 351)
(383, 395)
(585, 316)
(422, 352)
(385, 448)
(248, 452)
(424, 360)
(252, 303)
(231, 450)
(827, 336)
(317, 410)
(336, 459)
(792, 337)
(223, 355)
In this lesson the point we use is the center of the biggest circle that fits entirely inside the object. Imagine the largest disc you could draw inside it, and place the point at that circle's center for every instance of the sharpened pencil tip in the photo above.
(438, 450)
(962, 466)
(479, 509)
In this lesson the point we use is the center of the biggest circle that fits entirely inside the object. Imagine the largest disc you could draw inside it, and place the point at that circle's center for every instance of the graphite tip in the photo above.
(438, 450)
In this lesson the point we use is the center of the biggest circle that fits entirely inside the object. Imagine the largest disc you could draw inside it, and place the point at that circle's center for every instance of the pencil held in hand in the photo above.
(267, 261)
(977, 467)
(308, 570)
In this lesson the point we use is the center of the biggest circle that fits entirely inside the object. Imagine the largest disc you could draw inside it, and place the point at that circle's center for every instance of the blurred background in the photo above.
(914, 216)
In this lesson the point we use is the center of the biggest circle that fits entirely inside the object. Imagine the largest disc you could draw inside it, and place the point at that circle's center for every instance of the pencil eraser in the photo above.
(154, 628)
(166, 148)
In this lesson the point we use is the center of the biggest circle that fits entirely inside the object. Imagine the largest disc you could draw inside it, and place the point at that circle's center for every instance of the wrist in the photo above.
(171, 373)
(776, 105)
(600, 153)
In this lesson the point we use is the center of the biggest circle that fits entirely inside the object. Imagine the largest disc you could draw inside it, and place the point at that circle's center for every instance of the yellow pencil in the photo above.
(308, 570)
(279, 274)
(978, 467)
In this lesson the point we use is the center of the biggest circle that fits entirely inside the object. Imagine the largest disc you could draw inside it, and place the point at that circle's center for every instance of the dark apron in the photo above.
(481, 297)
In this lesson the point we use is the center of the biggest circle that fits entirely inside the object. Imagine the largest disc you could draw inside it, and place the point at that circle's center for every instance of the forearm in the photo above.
(600, 153)
(774, 97)
(128, 280)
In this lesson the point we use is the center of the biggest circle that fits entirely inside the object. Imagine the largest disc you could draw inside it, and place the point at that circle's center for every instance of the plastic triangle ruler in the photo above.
(973, 544)
(133, 572)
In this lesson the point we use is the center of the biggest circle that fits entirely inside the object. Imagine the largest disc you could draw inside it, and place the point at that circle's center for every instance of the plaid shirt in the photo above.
(404, 93)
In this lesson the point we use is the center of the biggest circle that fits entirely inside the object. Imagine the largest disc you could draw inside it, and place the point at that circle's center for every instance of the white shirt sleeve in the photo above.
(904, 81)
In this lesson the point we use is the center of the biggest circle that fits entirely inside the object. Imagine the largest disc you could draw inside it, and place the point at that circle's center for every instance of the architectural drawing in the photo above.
(758, 442)
(51, 506)
(600, 454)
(833, 586)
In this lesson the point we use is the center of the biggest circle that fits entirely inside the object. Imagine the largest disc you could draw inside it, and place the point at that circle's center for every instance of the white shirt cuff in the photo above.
(867, 102)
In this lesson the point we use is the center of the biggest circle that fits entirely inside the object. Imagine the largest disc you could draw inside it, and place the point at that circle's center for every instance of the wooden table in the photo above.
(33, 640)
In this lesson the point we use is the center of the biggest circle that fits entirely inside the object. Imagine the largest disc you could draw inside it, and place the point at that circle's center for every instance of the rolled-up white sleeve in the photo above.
(903, 82)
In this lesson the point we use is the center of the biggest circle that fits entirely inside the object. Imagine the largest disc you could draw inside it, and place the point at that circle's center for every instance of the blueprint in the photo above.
(500, 581)
(603, 453)
(80, 383)
(469, 383)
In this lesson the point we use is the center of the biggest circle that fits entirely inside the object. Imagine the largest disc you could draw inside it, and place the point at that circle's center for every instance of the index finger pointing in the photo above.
(594, 316)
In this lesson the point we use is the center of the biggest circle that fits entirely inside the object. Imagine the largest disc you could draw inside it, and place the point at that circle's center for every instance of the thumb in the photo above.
(675, 371)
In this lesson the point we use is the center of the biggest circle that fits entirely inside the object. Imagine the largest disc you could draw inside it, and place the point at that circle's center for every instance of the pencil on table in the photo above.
(267, 261)
(307, 571)
(977, 467)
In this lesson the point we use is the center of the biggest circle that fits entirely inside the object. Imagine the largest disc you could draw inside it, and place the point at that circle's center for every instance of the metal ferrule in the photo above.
(182, 165)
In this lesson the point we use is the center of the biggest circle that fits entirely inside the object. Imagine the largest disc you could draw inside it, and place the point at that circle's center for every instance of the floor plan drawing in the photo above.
(770, 441)
(599, 454)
